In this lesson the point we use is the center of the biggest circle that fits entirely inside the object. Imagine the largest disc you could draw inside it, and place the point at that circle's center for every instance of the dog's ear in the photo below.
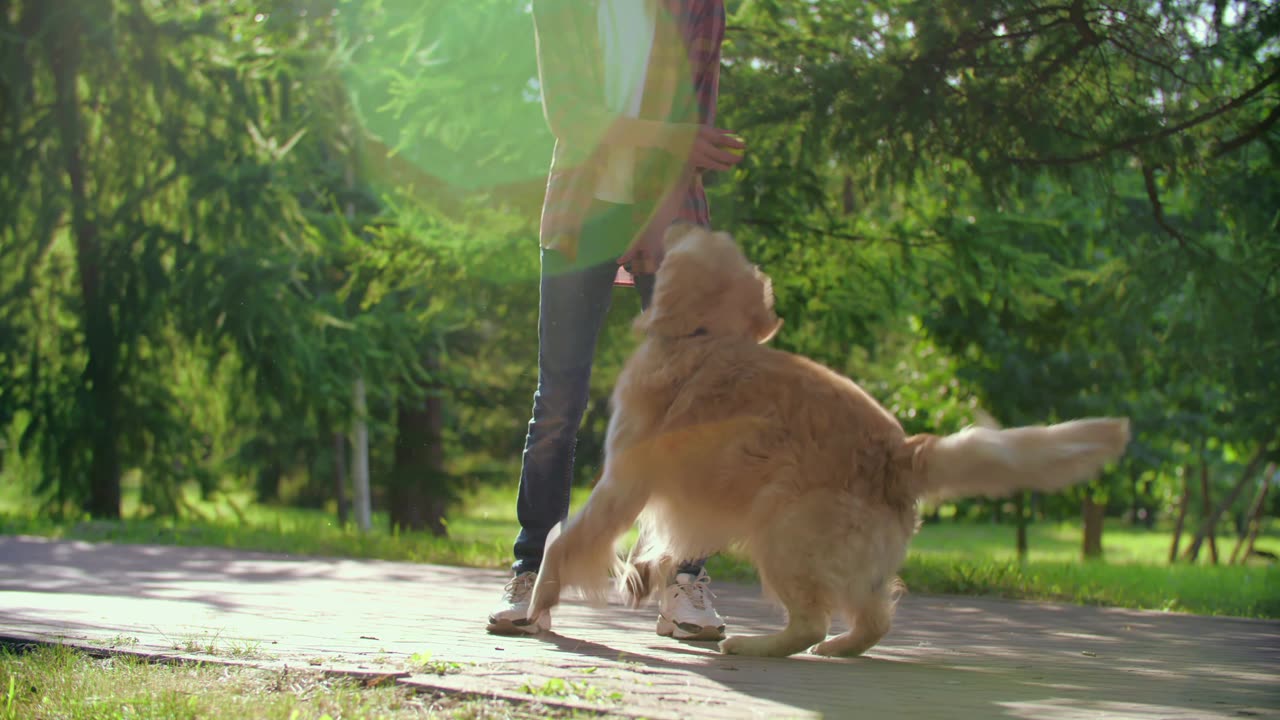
(765, 323)
(769, 334)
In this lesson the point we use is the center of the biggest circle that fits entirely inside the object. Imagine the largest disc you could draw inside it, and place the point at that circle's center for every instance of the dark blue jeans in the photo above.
(573, 302)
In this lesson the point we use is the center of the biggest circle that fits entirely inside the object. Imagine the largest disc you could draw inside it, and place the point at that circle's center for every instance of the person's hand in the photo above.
(645, 255)
(713, 149)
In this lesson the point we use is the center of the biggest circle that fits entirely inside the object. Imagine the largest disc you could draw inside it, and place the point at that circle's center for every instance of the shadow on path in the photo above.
(948, 657)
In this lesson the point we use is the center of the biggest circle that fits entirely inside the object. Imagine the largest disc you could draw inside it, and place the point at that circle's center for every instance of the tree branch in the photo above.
(1082, 26)
(1211, 520)
(1157, 207)
(827, 232)
(1226, 146)
(1132, 143)
(1138, 54)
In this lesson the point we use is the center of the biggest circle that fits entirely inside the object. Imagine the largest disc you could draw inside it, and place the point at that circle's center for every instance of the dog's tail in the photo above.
(641, 579)
(993, 462)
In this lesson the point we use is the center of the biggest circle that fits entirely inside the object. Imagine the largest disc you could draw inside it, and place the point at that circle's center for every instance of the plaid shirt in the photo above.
(681, 87)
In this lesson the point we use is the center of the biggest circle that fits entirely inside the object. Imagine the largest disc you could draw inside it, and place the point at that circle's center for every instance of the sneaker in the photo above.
(685, 611)
(511, 618)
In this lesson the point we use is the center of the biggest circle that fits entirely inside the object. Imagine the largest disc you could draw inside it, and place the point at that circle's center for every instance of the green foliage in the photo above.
(242, 246)
(449, 89)
(215, 218)
(182, 176)
(572, 690)
(1032, 181)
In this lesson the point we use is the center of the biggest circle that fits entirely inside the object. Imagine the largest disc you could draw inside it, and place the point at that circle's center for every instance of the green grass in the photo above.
(475, 542)
(981, 559)
(1250, 591)
(48, 682)
(955, 558)
(1061, 542)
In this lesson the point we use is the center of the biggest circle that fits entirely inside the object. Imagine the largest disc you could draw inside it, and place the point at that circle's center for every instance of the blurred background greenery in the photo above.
(237, 237)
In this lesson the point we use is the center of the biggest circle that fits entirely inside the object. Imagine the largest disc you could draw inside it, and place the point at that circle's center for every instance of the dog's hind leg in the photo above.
(789, 574)
(869, 621)
(807, 623)
(582, 554)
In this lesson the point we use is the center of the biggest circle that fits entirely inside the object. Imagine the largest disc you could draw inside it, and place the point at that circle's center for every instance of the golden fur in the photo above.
(716, 438)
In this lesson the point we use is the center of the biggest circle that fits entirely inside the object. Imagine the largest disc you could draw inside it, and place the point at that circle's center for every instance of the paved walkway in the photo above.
(946, 657)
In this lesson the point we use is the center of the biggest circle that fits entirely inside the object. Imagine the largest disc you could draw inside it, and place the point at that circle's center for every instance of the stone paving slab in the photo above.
(952, 657)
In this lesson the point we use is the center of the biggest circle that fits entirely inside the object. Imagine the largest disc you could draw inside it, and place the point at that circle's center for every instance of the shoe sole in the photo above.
(688, 631)
(516, 627)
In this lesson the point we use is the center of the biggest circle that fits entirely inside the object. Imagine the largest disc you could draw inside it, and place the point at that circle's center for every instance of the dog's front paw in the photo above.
(546, 595)
(750, 646)
(845, 646)
(832, 648)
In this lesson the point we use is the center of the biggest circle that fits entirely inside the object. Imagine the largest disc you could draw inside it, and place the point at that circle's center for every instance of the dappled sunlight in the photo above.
(947, 558)
(259, 257)
(974, 657)
(1076, 709)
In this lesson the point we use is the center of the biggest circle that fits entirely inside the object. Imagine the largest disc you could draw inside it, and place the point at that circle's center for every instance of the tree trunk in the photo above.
(848, 203)
(1183, 502)
(360, 457)
(1206, 506)
(1150, 520)
(1094, 513)
(100, 375)
(1022, 527)
(1210, 523)
(1135, 504)
(360, 442)
(420, 493)
(340, 476)
(1254, 523)
(268, 485)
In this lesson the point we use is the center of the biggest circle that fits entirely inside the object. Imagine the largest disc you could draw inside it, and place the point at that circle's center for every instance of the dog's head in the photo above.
(706, 285)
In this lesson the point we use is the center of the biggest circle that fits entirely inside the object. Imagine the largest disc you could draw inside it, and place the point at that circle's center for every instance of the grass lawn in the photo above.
(958, 558)
(44, 683)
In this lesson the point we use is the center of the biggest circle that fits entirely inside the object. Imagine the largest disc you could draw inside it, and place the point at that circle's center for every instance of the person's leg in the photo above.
(573, 302)
(571, 310)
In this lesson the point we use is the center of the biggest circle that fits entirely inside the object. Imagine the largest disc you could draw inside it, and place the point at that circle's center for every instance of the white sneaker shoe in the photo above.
(685, 611)
(510, 618)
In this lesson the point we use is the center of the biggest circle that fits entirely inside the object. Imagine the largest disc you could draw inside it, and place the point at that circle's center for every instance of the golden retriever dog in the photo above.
(716, 439)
